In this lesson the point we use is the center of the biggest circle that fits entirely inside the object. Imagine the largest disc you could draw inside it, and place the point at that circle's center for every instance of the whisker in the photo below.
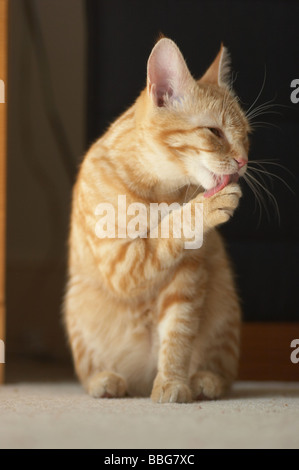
(256, 124)
(256, 197)
(261, 176)
(267, 105)
(259, 94)
(270, 174)
(177, 188)
(272, 198)
(259, 108)
(194, 192)
(271, 162)
(260, 197)
(187, 189)
(261, 113)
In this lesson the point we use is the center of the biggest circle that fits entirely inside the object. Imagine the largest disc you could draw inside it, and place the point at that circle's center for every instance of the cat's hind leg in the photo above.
(87, 324)
(98, 382)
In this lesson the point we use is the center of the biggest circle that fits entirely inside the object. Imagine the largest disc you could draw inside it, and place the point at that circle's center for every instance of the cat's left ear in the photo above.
(168, 76)
(219, 71)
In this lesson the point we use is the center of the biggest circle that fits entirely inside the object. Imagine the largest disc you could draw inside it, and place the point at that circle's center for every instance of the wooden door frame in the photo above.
(3, 141)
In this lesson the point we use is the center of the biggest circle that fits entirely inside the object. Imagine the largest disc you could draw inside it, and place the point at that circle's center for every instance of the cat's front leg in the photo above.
(177, 334)
(170, 390)
(178, 327)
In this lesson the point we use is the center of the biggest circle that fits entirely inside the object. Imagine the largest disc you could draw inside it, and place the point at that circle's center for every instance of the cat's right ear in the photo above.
(167, 73)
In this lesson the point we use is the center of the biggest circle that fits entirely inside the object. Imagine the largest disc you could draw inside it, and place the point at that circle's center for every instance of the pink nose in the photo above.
(241, 162)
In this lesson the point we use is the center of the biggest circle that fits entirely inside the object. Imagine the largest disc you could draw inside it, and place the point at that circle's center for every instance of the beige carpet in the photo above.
(255, 415)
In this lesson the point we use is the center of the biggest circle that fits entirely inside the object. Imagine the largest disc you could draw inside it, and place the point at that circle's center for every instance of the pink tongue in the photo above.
(224, 182)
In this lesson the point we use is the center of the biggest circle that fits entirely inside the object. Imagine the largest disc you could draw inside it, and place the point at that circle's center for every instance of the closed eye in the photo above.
(217, 132)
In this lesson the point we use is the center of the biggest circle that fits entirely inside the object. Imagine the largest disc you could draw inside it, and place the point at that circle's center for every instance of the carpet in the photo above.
(60, 415)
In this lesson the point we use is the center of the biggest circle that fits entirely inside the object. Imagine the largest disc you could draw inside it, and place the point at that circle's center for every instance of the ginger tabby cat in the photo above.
(146, 316)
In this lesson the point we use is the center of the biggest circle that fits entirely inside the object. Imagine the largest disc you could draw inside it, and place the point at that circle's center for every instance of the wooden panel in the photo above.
(3, 77)
(266, 351)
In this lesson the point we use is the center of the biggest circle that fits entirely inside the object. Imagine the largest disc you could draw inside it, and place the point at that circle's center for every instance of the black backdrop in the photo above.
(263, 39)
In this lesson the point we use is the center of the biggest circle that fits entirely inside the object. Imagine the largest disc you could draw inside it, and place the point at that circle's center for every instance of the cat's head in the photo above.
(196, 128)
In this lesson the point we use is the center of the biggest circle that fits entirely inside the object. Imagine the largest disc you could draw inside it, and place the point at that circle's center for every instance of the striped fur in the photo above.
(146, 316)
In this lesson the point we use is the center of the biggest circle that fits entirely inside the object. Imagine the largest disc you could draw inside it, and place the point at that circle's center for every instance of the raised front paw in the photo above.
(221, 206)
(168, 391)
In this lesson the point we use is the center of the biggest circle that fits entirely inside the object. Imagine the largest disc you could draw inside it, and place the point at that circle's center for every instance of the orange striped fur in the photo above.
(146, 316)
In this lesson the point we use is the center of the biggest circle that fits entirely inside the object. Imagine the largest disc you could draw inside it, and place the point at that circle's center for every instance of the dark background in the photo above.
(263, 39)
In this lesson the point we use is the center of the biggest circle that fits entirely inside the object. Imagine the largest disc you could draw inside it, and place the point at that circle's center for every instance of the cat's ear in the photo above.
(168, 76)
(219, 71)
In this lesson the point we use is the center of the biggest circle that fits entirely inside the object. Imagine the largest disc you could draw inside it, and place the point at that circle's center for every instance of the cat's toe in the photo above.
(165, 391)
(106, 385)
(207, 385)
